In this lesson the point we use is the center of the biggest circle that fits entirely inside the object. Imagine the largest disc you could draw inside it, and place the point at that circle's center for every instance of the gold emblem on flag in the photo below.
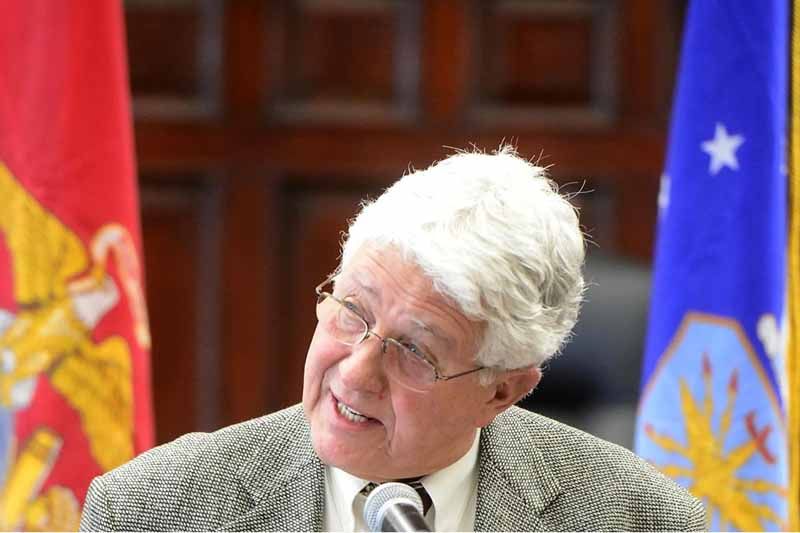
(714, 470)
(62, 290)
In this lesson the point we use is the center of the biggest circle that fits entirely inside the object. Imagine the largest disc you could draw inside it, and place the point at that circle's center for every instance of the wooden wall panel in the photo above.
(344, 61)
(548, 62)
(252, 301)
(174, 50)
(261, 124)
(181, 238)
(448, 63)
(519, 66)
(648, 38)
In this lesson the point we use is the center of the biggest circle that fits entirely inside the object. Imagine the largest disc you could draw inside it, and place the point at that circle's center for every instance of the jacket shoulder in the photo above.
(602, 485)
(193, 482)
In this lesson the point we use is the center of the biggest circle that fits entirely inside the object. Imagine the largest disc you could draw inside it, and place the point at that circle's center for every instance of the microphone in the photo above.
(394, 507)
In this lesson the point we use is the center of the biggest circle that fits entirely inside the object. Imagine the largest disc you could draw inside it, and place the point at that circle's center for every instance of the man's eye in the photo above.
(355, 309)
(352, 307)
(412, 348)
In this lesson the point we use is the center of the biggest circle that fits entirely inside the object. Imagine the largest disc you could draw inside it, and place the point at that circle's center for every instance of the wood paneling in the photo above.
(548, 63)
(448, 65)
(181, 240)
(174, 50)
(346, 62)
(261, 124)
(252, 298)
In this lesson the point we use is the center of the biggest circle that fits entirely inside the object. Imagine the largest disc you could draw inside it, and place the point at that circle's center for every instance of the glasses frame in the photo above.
(438, 376)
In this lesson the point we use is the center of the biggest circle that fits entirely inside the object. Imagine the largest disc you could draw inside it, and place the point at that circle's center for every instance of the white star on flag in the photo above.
(663, 193)
(722, 149)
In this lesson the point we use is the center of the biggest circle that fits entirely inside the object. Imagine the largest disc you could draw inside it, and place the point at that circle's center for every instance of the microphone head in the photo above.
(384, 495)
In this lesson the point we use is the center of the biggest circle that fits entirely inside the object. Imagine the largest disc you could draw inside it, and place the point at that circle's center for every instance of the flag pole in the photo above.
(793, 304)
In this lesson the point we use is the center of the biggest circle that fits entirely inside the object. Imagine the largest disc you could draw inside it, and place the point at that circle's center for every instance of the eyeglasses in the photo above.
(402, 361)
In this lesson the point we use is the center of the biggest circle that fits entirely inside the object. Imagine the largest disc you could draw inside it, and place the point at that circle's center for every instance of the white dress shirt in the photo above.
(452, 489)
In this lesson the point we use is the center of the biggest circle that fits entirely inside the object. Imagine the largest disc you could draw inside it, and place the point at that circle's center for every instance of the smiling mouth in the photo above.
(351, 414)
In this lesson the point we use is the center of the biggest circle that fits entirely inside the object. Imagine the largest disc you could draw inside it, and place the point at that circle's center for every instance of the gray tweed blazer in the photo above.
(534, 474)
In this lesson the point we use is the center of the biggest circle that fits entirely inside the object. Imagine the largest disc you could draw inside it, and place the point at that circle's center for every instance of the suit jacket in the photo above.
(534, 474)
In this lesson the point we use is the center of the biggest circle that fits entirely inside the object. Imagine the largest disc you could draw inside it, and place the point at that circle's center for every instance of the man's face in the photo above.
(407, 433)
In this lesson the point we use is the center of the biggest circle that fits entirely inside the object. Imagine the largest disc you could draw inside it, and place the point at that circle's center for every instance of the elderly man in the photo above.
(454, 287)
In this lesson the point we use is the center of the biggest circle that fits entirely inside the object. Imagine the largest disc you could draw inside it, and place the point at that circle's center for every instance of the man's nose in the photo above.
(362, 369)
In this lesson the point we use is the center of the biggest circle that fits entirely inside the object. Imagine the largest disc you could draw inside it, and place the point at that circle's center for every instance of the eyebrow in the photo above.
(363, 283)
(369, 288)
(356, 280)
(432, 330)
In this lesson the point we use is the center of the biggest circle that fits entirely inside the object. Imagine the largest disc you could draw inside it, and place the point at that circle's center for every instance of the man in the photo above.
(454, 287)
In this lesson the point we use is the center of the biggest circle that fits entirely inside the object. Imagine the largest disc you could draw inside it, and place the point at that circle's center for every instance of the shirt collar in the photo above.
(450, 488)
(343, 489)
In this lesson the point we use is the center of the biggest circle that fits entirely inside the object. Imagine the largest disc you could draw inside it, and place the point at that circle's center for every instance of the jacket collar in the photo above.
(285, 480)
(515, 484)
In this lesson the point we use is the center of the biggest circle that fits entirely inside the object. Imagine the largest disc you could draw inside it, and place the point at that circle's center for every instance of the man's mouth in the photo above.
(351, 414)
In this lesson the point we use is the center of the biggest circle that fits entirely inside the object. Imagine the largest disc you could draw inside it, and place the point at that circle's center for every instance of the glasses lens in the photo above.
(341, 322)
(408, 368)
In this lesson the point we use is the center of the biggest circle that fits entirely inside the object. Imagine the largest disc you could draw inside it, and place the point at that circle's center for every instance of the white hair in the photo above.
(495, 237)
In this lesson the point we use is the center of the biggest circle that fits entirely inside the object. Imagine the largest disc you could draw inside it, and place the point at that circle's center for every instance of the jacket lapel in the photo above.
(296, 505)
(286, 484)
(515, 484)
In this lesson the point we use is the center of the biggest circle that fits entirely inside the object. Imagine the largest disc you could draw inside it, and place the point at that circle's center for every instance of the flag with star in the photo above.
(716, 389)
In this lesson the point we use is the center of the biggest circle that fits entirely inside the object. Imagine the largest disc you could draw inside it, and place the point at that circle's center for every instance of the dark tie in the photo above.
(414, 484)
(423, 494)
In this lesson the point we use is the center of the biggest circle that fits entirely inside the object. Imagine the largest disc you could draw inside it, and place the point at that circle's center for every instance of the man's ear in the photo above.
(509, 387)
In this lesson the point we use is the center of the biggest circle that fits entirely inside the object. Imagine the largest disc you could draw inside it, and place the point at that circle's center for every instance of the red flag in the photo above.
(74, 341)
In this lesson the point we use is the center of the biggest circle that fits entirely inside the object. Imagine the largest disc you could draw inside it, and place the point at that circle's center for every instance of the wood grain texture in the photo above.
(181, 256)
(548, 62)
(175, 56)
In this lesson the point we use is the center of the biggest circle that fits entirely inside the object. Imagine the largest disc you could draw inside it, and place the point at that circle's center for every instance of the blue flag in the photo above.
(712, 412)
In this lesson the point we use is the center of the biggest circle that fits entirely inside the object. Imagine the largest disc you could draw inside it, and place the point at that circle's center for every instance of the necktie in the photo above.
(414, 484)
(423, 494)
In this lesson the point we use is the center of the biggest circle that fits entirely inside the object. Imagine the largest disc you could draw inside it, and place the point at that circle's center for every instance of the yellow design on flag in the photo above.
(55, 510)
(713, 475)
(51, 334)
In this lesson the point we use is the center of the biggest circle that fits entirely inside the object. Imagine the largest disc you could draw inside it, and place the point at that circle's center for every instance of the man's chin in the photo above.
(362, 464)
(348, 462)
(355, 460)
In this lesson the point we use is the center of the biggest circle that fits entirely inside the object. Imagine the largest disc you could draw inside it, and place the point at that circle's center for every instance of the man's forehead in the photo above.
(371, 263)
(357, 279)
